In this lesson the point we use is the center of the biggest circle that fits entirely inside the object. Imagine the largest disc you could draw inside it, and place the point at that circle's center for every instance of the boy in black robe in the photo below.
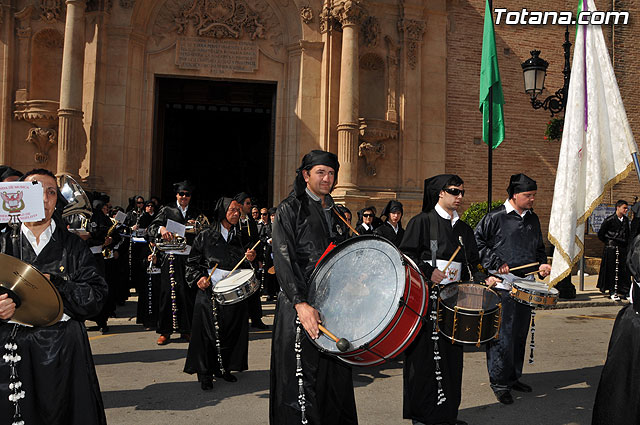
(56, 370)
(614, 232)
(507, 237)
(617, 395)
(219, 245)
(392, 226)
(173, 266)
(304, 225)
(442, 197)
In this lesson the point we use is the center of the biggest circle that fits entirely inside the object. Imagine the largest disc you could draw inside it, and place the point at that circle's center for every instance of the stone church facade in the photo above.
(391, 86)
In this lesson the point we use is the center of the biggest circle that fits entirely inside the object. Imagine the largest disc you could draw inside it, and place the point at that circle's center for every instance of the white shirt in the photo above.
(442, 213)
(224, 232)
(509, 208)
(45, 237)
(366, 226)
(395, 228)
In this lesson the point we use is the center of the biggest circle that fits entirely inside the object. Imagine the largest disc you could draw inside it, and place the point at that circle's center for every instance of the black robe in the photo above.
(387, 231)
(301, 233)
(613, 275)
(57, 370)
(209, 249)
(185, 296)
(420, 393)
(515, 240)
(250, 235)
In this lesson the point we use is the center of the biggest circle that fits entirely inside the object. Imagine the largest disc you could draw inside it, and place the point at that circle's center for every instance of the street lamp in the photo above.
(534, 71)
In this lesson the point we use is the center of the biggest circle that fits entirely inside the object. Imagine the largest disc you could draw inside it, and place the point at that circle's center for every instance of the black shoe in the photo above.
(504, 397)
(206, 383)
(105, 329)
(229, 377)
(522, 387)
(259, 324)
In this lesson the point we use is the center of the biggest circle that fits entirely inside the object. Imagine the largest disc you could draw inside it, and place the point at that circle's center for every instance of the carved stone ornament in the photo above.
(99, 5)
(43, 139)
(49, 39)
(328, 22)
(370, 31)
(221, 19)
(306, 14)
(413, 31)
(127, 4)
(51, 10)
(41, 113)
(372, 133)
(348, 12)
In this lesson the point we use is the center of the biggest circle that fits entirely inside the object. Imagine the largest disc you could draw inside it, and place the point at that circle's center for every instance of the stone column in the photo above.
(70, 113)
(349, 13)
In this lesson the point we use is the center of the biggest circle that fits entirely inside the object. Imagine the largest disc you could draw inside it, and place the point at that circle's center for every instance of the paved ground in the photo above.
(143, 383)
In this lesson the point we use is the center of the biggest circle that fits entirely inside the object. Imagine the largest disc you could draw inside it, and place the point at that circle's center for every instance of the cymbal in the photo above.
(38, 302)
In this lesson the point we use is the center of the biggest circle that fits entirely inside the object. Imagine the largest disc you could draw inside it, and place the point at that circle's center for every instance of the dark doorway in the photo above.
(217, 134)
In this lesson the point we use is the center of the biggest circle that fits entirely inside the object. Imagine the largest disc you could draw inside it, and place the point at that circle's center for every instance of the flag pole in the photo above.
(490, 141)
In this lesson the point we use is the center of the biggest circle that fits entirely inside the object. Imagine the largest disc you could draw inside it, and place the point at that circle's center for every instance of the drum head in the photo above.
(237, 278)
(356, 288)
(534, 287)
(469, 296)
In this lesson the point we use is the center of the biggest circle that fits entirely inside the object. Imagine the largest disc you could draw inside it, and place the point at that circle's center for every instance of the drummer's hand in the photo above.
(7, 307)
(544, 270)
(166, 235)
(151, 258)
(437, 276)
(251, 254)
(492, 281)
(204, 283)
(309, 317)
(504, 269)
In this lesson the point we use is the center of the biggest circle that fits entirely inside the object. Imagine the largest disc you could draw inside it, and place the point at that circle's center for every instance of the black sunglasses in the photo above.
(453, 191)
(367, 215)
(184, 194)
(264, 214)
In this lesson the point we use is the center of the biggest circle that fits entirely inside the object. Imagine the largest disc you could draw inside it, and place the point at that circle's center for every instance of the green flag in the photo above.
(490, 78)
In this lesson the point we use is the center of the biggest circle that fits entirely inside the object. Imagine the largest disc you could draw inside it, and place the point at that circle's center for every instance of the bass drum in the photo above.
(372, 295)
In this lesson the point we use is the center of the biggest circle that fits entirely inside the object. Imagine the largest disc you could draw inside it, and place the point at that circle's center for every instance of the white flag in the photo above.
(596, 149)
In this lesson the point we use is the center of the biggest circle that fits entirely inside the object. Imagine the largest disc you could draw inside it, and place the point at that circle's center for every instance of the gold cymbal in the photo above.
(38, 301)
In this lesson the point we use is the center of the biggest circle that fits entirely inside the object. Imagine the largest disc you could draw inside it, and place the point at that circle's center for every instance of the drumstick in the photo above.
(345, 221)
(452, 257)
(530, 273)
(525, 266)
(212, 270)
(243, 258)
(341, 343)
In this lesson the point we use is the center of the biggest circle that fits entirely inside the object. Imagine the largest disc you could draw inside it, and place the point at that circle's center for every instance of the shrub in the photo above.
(476, 211)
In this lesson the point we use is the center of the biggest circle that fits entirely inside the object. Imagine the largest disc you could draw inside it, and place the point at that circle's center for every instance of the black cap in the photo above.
(520, 183)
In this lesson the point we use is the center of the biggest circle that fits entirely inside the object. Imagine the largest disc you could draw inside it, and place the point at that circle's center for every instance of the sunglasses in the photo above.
(187, 194)
(453, 191)
(264, 214)
(140, 203)
(367, 215)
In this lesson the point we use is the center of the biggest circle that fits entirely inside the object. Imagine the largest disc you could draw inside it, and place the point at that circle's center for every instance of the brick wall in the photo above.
(524, 149)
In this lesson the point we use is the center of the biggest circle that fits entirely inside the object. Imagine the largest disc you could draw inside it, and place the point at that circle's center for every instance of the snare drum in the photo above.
(372, 295)
(238, 286)
(533, 293)
(469, 313)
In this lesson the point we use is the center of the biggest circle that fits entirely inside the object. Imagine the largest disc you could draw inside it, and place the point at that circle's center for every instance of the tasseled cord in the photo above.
(216, 331)
(174, 304)
(11, 357)
(436, 351)
(532, 345)
(302, 401)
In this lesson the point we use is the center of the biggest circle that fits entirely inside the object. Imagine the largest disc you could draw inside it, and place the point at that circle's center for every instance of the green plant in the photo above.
(476, 211)
(554, 129)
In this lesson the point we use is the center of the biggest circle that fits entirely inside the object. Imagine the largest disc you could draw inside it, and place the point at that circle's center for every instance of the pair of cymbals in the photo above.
(38, 302)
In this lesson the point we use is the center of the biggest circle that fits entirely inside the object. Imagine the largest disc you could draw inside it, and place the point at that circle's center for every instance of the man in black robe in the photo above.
(250, 235)
(219, 245)
(304, 226)
(617, 395)
(173, 265)
(508, 237)
(392, 226)
(614, 232)
(439, 220)
(366, 218)
(56, 370)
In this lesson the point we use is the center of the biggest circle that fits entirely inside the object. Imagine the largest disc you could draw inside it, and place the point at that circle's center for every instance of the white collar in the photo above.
(183, 211)
(509, 208)
(395, 228)
(442, 213)
(328, 200)
(45, 237)
(224, 232)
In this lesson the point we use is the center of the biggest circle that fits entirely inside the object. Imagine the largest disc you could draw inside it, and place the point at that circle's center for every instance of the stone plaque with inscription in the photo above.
(217, 55)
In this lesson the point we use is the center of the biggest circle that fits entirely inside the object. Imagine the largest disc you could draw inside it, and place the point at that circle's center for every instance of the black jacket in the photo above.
(614, 232)
(387, 231)
(172, 212)
(511, 239)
